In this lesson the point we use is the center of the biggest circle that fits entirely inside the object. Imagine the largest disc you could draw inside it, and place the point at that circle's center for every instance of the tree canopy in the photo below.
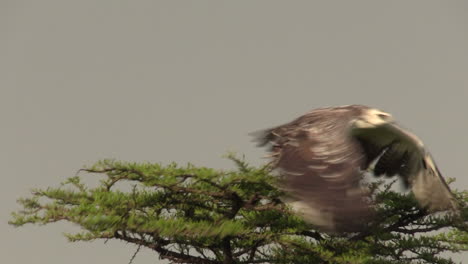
(191, 214)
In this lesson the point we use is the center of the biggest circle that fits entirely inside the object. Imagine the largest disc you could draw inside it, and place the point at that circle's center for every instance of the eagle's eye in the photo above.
(384, 116)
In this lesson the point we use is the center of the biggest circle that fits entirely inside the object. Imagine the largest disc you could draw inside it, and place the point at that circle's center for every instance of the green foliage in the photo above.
(190, 214)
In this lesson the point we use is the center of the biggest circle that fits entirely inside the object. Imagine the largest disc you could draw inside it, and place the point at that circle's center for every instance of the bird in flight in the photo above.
(323, 155)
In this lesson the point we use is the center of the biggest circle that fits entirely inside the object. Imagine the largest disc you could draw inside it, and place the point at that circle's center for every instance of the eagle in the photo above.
(323, 155)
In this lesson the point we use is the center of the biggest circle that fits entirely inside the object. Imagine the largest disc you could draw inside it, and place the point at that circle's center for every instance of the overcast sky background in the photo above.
(187, 81)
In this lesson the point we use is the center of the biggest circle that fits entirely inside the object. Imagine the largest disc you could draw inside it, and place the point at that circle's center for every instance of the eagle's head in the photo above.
(371, 118)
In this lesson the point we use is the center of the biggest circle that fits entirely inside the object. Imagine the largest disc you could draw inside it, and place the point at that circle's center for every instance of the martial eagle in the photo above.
(323, 154)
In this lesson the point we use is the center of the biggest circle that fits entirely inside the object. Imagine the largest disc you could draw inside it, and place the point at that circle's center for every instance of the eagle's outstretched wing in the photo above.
(320, 168)
(402, 153)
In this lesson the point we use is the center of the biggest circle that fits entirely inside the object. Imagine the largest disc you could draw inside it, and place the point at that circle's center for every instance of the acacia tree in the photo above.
(190, 214)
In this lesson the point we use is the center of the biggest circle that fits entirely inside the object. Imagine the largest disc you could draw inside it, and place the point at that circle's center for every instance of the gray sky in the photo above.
(186, 81)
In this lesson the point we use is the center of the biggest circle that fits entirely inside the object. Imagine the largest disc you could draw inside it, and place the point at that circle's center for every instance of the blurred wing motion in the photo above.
(322, 155)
